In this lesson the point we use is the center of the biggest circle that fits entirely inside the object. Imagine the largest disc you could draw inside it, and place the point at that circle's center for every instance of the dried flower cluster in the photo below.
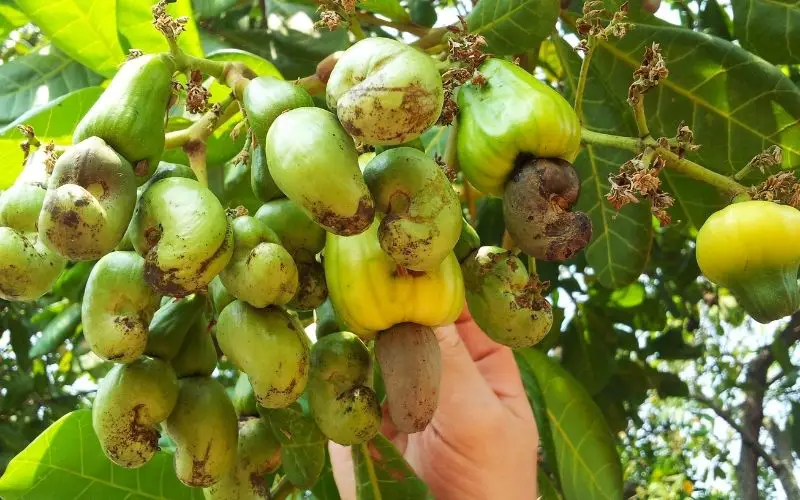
(166, 24)
(648, 75)
(782, 187)
(334, 12)
(196, 95)
(638, 178)
(592, 23)
(133, 54)
(466, 50)
(30, 141)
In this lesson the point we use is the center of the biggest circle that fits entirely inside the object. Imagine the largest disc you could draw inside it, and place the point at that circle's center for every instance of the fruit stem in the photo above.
(640, 117)
(355, 28)
(282, 490)
(196, 151)
(202, 129)
(433, 37)
(633, 144)
(587, 60)
(372, 20)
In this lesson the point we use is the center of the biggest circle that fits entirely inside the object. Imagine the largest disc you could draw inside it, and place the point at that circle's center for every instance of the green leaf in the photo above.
(212, 8)
(536, 399)
(794, 426)
(586, 356)
(781, 353)
(326, 488)
(72, 282)
(513, 26)
(302, 444)
(10, 18)
(389, 8)
(547, 490)
(86, 30)
(66, 461)
(136, 31)
(34, 79)
(54, 121)
(588, 464)
(383, 474)
(630, 296)
(57, 331)
(621, 239)
(671, 346)
(769, 28)
(713, 19)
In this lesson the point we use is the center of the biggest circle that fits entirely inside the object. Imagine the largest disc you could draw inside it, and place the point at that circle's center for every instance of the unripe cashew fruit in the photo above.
(300, 235)
(170, 323)
(751, 248)
(129, 115)
(220, 297)
(258, 454)
(536, 207)
(345, 408)
(312, 289)
(411, 367)
(90, 198)
(266, 97)
(261, 272)
(204, 427)
(468, 241)
(422, 218)
(118, 306)
(261, 182)
(325, 319)
(244, 399)
(371, 293)
(270, 346)
(504, 301)
(28, 268)
(181, 230)
(385, 92)
(131, 400)
(315, 162)
(198, 355)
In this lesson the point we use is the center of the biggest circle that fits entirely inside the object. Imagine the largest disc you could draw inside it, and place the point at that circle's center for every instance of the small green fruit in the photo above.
(300, 235)
(266, 97)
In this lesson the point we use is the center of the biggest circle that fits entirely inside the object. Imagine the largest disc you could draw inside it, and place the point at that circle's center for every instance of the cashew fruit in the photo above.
(300, 235)
(750, 248)
(204, 427)
(345, 408)
(270, 346)
(261, 182)
(131, 401)
(261, 272)
(28, 267)
(325, 319)
(170, 323)
(258, 454)
(220, 297)
(504, 301)
(198, 355)
(129, 115)
(312, 289)
(468, 241)
(308, 143)
(244, 399)
(385, 92)
(181, 230)
(118, 306)
(411, 367)
(236, 188)
(371, 293)
(422, 213)
(90, 199)
(266, 97)
(512, 113)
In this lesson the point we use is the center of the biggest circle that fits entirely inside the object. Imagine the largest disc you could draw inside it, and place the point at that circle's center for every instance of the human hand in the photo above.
(482, 441)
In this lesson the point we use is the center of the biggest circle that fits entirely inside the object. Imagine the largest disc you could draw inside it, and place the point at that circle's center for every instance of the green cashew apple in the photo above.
(270, 346)
(220, 297)
(28, 267)
(315, 162)
(244, 399)
(422, 220)
(411, 367)
(258, 454)
(325, 320)
(129, 115)
(170, 323)
(261, 182)
(300, 235)
(385, 92)
(184, 235)
(131, 401)
(198, 355)
(468, 241)
(118, 306)
(90, 199)
(266, 97)
(312, 289)
(204, 427)
(261, 272)
(504, 301)
(345, 408)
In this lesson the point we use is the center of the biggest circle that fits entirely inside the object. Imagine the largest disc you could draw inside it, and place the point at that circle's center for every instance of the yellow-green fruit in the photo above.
(422, 218)
(170, 323)
(371, 293)
(204, 427)
(28, 268)
(504, 301)
(312, 289)
(129, 115)
(131, 401)
(345, 408)
(261, 272)
(315, 163)
(197, 356)
(266, 97)
(512, 114)
(325, 319)
(468, 241)
(300, 235)
(90, 199)
(385, 92)
(261, 182)
(244, 399)
(259, 454)
(181, 230)
(118, 306)
(270, 346)
(751, 249)
(220, 297)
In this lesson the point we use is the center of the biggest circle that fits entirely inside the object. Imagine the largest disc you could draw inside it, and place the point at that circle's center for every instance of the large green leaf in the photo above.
(136, 31)
(769, 28)
(34, 79)
(66, 461)
(621, 239)
(54, 121)
(536, 399)
(513, 26)
(587, 356)
(383, 474)
(302, 444)
(588, 464)
(326, 488)
(86, 30)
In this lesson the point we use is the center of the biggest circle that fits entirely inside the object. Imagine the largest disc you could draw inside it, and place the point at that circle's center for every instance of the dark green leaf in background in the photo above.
(383, 474)
(769, 28)
(57, 331)
(513, 26)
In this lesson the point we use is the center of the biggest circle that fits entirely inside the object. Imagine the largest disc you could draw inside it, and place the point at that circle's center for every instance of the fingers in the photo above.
(343, 473)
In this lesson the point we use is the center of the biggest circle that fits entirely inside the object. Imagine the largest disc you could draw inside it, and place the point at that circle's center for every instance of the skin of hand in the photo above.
(482, 442)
